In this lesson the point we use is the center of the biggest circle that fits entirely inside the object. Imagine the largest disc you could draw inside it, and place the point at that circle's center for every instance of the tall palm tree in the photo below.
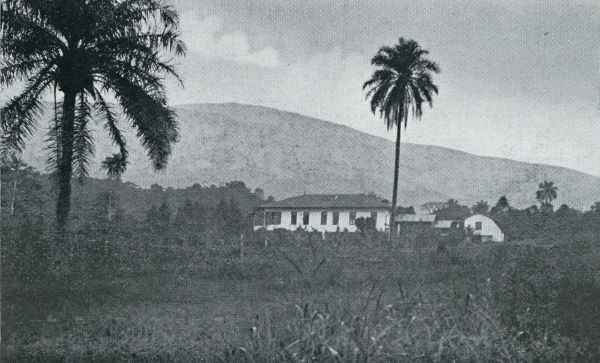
(93, 52)
(115, 166)
(546, 193)
(402, 82)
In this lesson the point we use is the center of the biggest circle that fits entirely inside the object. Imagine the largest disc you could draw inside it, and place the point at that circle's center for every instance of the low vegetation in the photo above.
(180, 276)
(145, 297)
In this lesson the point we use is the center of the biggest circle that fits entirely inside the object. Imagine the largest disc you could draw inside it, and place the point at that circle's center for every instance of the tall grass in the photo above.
(320, 301)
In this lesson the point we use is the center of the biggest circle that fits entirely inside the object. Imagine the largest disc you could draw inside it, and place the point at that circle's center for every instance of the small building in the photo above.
(323, 213)
(447, 225)
(485, 227)
(407, 224)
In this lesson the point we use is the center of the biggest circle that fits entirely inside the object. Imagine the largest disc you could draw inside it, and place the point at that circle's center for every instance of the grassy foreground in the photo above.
(319, 302)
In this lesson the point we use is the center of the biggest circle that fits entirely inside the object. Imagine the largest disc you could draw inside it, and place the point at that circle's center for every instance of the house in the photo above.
(323, 212)
(407, 224)
(485, 227)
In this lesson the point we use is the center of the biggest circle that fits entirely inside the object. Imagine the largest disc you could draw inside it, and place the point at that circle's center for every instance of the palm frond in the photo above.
(19, 117)
(154, 121)
(83, 143)
(401, 82)
(105, 112)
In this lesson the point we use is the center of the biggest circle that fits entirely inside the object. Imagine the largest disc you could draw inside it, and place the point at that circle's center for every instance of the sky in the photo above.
(520, 79)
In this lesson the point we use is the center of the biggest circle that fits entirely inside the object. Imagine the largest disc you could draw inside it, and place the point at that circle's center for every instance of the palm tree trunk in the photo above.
(65, 164)
(395, 192)
(14, 197)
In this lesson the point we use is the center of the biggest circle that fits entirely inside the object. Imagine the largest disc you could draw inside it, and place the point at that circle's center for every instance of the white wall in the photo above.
(488, 227)
(315, 220)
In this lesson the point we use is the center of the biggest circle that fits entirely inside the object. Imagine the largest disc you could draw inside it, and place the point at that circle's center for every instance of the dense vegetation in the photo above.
(176, 274)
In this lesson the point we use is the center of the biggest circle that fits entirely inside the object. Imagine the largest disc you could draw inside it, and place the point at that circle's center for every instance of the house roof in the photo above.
(415, 218)
(446, 223)
(330, 201)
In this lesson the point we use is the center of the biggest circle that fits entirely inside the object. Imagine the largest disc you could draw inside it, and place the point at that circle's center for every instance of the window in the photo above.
(294, 218)
(273, 218)
(305, 218)
(336, 218)
(478, 226)
(323, 218)
(352, 218)
(277, 218)
(374, 217)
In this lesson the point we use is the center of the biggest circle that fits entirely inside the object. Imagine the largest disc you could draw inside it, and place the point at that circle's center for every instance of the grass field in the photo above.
(322, 302)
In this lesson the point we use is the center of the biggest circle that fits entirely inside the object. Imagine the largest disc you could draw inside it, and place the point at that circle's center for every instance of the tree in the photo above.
(402, 82)
(566, 211)
(190, 217)
(595, 208)
(365, 225)
(502, 205)
(405, 210)
(546, 193)
(22, 188)
(16, 166)
(88, 51)
(481, 207)
(453, 211)
(159, 218)
(432, 207)
(115, 166)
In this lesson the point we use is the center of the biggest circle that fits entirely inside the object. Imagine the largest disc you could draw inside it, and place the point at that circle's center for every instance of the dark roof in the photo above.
(415, 218)
(316, 201)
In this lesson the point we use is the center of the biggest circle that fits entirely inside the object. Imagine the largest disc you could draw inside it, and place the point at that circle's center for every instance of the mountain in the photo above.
(288, 154)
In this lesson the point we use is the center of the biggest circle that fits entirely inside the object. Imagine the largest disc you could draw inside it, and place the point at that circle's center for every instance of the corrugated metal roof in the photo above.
(424, 218)
(447, 223)
(316, 201)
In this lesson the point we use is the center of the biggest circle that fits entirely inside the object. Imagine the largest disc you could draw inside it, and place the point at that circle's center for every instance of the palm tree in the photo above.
(546, 193)
(401, 83)
(115, 166)
(89, 51)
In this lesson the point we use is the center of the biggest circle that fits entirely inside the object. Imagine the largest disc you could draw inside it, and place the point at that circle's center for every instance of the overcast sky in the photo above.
(520, 79)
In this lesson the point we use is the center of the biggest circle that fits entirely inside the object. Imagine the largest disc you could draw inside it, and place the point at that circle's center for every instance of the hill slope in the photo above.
(289, 154)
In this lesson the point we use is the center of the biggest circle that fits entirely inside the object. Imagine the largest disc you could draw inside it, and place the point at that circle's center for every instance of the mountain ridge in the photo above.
(287, 154)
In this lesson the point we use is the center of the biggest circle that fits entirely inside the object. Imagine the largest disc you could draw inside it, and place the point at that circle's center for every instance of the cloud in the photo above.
(203, 36)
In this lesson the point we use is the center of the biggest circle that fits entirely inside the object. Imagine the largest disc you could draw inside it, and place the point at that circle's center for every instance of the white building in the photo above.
(323, 212)
(485, 227)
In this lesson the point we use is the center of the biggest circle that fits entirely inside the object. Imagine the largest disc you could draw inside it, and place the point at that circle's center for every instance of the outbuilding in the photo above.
(485, 227)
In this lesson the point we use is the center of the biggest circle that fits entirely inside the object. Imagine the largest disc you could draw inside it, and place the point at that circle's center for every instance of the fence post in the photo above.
(242, 247)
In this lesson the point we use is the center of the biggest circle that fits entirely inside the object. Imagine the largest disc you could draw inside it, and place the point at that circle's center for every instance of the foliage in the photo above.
(89, 51)
(401, 83)
(546, 193)
(365, 225)
(481, 207)
(453, 211)
(502, 206)
(115, 166)
(405, 210)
